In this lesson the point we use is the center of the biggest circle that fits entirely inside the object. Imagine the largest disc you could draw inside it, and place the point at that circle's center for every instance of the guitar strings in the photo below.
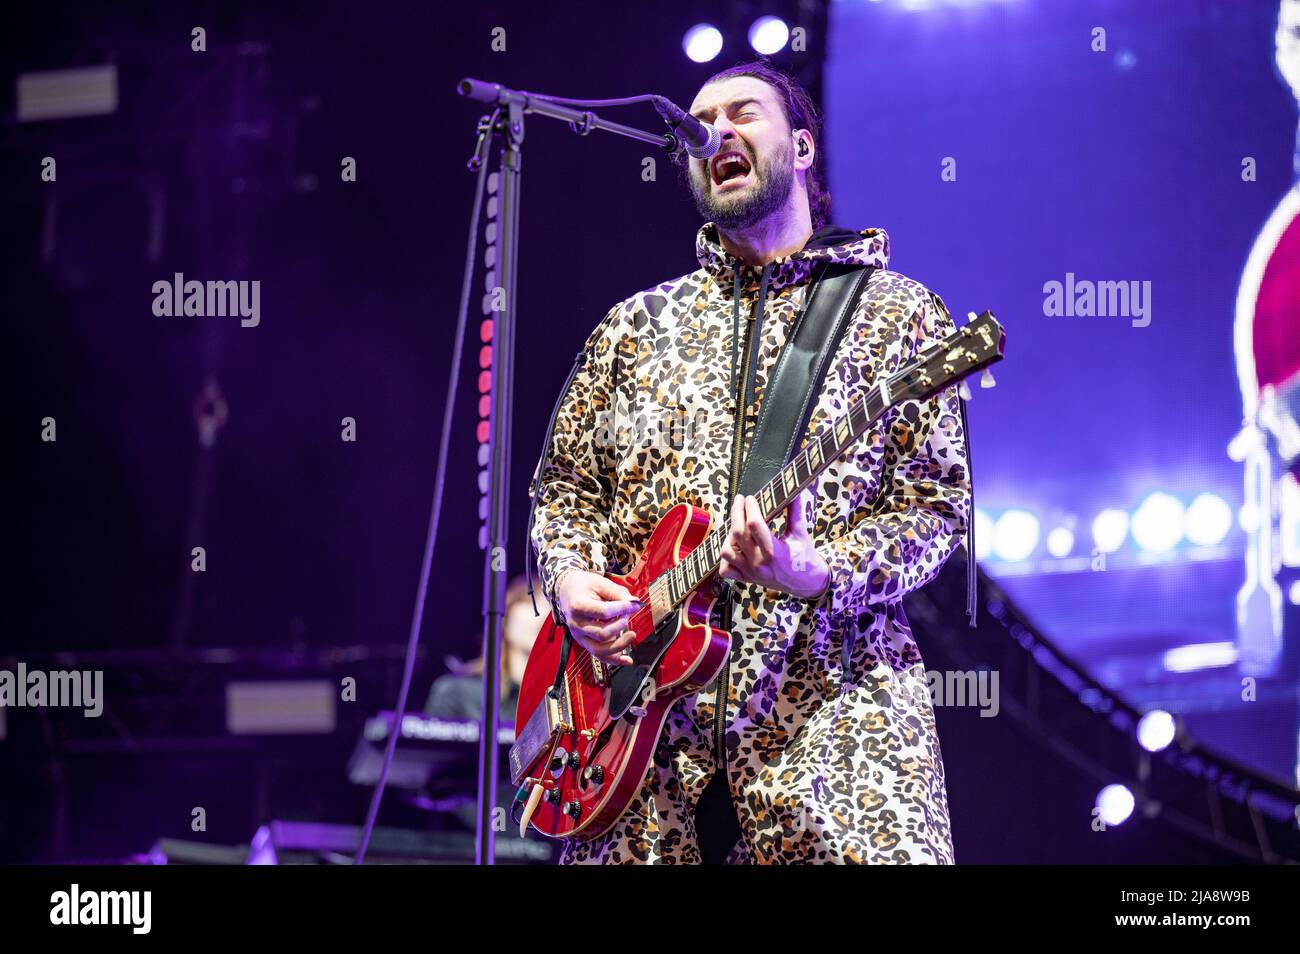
(584, 664)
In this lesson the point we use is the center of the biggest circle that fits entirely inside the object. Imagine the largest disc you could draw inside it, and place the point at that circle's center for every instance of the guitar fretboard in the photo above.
(775, 496)
(945, 363)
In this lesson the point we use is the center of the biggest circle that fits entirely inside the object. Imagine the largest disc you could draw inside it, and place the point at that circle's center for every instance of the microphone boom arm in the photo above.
(583, 122)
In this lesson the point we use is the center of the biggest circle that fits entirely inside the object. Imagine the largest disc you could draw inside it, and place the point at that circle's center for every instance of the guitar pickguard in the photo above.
(627, 682)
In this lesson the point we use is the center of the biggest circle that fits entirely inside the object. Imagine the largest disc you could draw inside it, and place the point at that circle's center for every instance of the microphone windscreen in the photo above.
(708, 149)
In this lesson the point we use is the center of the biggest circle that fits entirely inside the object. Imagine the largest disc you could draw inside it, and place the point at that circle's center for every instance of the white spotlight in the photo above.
(702, 42)
(1197, 656)
(768, 35)
(1158, 524)
(1015, 535)
(1116, 804)
(1109, 529)
(1156, 730)
(1060, 542)
(1209, 518)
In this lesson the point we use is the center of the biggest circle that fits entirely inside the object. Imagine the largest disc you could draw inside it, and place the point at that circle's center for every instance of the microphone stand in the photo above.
(507, 120)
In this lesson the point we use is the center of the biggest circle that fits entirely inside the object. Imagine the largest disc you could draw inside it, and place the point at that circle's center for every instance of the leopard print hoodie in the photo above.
(830, 749)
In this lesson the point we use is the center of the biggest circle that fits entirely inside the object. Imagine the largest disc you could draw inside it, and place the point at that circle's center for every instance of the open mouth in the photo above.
(729, 167)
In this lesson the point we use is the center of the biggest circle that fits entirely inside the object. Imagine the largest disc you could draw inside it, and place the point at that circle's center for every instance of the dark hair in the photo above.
(801, 113)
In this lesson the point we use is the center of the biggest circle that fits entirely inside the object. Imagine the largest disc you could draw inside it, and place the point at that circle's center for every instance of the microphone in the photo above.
(700, 139)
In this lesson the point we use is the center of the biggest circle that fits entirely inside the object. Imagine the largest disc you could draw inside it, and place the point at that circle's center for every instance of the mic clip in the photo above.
(587, 126)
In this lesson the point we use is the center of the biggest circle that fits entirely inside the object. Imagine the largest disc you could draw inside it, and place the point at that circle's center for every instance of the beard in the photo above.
(768, 194)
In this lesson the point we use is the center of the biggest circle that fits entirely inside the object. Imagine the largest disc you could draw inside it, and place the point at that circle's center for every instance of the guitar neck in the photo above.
(939, 366)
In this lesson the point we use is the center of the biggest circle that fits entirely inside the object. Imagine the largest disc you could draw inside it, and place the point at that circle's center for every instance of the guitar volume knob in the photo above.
(559, 760)
(595, 774)
(572, 809)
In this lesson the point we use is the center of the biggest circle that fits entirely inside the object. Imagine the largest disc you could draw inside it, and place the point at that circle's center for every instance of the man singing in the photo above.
(820, 727)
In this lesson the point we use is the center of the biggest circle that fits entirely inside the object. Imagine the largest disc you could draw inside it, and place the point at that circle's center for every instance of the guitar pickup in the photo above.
(547, 723)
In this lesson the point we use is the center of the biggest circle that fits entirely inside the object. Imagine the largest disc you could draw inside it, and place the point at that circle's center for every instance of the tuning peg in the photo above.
(963, 389)
(971, 316)
(986, 379)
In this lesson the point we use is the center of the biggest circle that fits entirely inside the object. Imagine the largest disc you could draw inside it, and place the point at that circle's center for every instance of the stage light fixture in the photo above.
(1115, 802)
(1015, 535)
(1197, 656)
(67, 93)
(1158, 523)
(1109, 528)
(1209, 518)
(768, 35)
(1156, 730)
(1060, 542)
(702, 42)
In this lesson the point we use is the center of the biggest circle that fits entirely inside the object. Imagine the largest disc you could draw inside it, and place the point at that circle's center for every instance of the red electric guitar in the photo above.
(587, 729)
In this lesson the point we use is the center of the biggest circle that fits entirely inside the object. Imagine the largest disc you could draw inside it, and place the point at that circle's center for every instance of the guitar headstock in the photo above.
(969, 349)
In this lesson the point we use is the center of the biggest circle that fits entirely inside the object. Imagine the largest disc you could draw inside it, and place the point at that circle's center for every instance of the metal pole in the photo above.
(512, 105)
(495, 573)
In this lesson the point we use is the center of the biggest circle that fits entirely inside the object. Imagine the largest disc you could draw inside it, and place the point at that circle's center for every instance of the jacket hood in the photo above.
(828, 244)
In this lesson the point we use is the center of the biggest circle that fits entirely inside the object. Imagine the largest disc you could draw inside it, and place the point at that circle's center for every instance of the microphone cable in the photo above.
(435, 511)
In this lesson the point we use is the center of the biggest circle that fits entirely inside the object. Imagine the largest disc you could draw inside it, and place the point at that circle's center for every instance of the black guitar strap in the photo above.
(792, 389)
(796, 380)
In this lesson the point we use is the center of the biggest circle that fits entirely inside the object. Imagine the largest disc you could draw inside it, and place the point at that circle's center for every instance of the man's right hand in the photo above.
(597, 612)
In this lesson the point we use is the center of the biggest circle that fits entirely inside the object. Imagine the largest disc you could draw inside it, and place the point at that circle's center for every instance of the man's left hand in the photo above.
(788, 563)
